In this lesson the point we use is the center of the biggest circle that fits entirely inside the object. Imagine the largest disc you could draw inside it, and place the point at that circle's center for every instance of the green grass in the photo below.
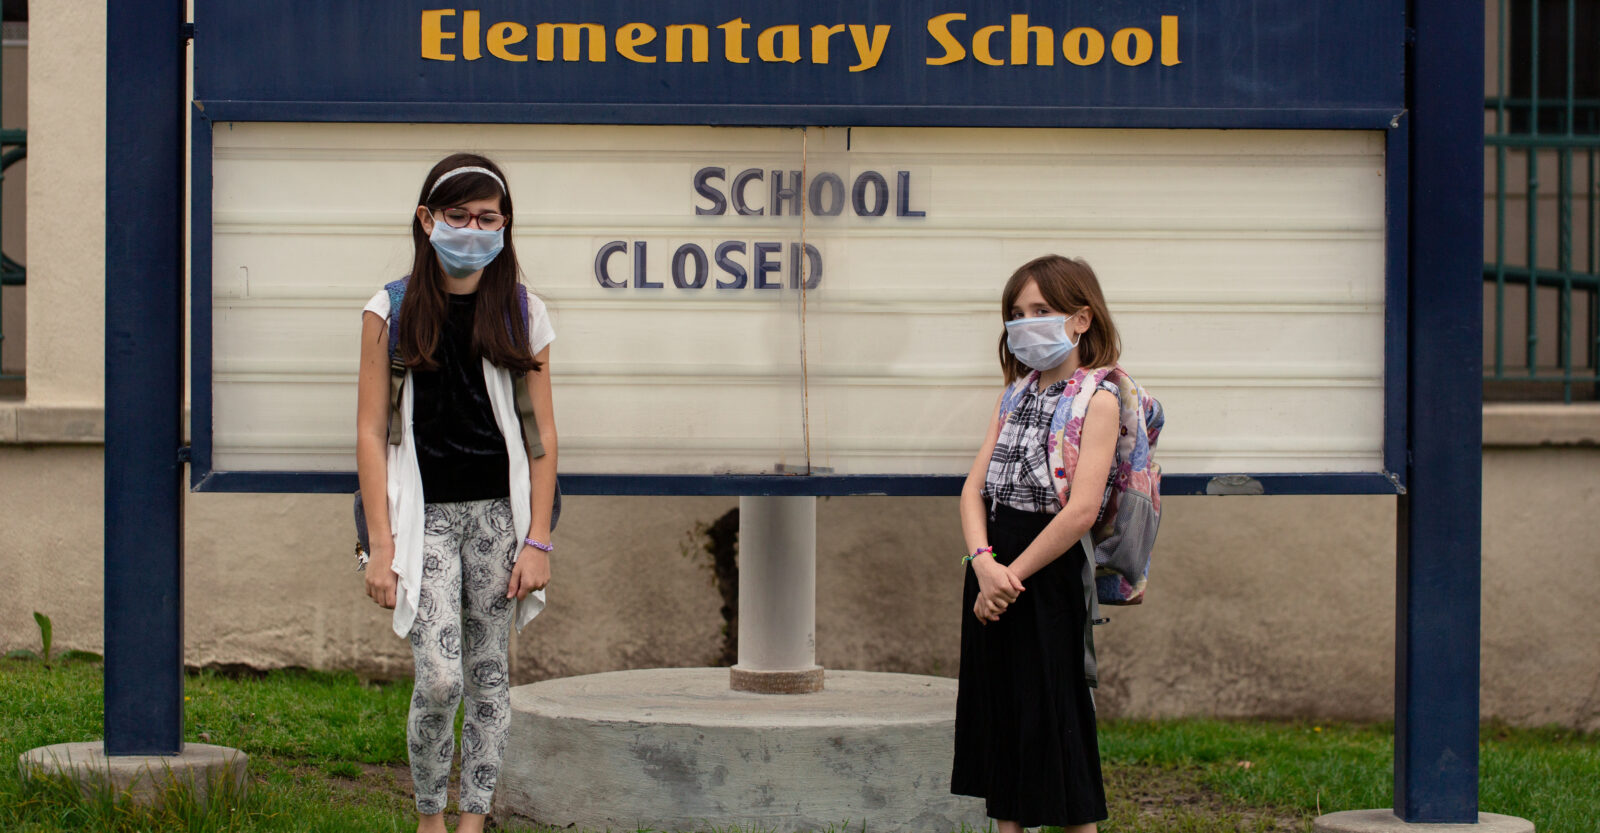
(327, 753)
(308, 735)
(1547, 776)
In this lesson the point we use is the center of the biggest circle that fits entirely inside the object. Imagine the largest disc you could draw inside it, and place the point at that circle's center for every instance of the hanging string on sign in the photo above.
(805, 262)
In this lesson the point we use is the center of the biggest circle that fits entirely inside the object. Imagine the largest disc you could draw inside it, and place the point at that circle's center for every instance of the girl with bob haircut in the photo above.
(470, 498)
(1025, 736)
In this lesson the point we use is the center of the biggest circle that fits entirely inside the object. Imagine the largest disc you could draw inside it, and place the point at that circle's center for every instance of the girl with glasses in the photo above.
(470, 492)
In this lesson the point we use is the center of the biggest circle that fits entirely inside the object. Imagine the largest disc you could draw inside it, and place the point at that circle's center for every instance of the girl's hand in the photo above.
(986, 611)
(532, 572)
(382, 583)
(996, 581)
(998, 587)
(989, 608)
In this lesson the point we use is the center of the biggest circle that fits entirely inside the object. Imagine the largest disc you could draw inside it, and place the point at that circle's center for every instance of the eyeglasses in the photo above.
(461, 218)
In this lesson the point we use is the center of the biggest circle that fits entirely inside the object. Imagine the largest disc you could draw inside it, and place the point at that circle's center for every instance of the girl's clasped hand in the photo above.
(998, 587)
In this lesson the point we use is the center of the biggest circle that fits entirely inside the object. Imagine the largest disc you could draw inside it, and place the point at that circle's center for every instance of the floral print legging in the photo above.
(459, 642)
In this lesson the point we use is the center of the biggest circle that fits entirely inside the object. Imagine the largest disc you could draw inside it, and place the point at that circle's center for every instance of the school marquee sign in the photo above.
(785, 225)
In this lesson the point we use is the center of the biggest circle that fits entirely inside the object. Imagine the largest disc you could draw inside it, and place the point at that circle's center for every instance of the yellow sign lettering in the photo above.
(733, 40)
(868, 52)
(981, 40)
(434, 35)
(819, 41)
(699, 42)
(766, 44)
(470, 41)
(1140, 41)
(1044, 42)
(1025, 43)
(939, 28)
(631, 37)
(1083, 46)
(502, 35)
(572, 37)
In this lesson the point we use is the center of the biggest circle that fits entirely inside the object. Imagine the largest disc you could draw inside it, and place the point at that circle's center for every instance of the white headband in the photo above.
(470, 169)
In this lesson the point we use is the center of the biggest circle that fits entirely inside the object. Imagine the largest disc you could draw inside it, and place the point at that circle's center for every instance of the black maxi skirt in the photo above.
(1025, 723)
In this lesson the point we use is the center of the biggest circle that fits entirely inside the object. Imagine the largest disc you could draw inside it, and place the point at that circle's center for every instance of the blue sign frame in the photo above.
(1323, 65)
(1433, 334)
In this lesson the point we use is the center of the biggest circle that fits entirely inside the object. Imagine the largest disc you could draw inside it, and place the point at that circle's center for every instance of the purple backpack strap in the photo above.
(397, 296)
(397, 371)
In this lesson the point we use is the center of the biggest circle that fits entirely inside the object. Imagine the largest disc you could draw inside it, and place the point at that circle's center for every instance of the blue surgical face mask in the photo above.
(463, 251)
(1040, 343)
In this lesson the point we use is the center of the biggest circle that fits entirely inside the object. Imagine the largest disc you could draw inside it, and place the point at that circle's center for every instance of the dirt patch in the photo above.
(392, 781)
(1141, 799)
(1151, 798)
(385, 785)
(382, 785)
(720, 541)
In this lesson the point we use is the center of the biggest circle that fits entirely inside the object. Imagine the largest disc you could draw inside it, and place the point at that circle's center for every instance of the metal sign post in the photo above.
(1439, 565)
(145, 65)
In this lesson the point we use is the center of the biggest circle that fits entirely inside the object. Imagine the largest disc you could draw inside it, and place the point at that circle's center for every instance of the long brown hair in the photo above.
(1068, 285)
(499, 330)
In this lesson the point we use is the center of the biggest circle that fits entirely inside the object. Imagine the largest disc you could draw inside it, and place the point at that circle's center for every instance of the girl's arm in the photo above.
(997, 585)
(372, 464)
(974, 526)
(1097, 450)
(532, 570)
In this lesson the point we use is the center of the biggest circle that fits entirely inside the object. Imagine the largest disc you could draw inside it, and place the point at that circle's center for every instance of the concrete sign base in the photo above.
(1385, 821)
(146, 780)
(676, 749)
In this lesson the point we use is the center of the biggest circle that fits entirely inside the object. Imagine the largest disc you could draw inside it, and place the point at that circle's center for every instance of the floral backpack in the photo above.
(1125, 533)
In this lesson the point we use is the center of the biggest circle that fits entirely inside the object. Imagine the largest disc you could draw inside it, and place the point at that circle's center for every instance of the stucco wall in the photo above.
(1540, 587)
(66, 178)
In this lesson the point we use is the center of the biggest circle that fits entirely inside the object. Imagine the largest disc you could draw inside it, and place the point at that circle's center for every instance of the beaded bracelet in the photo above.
(975, 553)
(538, 546)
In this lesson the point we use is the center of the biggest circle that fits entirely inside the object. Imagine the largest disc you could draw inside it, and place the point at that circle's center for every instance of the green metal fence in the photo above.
(13, 149)
(14, 144)
(1542, 263)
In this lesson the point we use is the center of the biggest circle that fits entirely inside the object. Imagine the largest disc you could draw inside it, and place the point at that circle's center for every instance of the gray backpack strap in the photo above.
(397, 385)
(519, 383)
(1091, 606)
(530, 438)
(530, 421)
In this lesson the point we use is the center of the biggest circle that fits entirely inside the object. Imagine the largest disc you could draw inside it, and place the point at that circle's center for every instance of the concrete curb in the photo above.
(1532, 425)
(1385, 821)
(146, 780)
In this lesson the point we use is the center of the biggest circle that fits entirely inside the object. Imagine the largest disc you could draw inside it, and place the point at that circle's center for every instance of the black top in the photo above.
(460, 449)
